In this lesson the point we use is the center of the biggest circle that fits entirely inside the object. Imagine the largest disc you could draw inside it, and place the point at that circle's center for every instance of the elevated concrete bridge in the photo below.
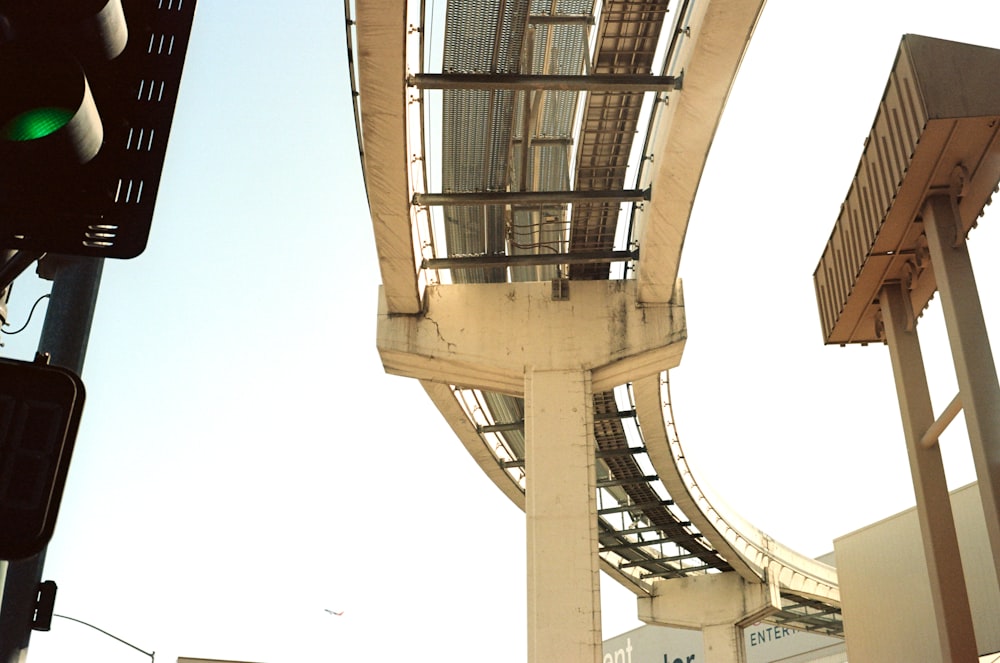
(531, 168)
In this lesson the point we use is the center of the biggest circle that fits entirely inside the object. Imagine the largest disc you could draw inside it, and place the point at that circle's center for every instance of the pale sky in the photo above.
(244, 463)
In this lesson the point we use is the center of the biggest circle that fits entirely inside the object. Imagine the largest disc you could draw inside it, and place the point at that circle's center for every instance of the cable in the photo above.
(28, 321)
(151, 655)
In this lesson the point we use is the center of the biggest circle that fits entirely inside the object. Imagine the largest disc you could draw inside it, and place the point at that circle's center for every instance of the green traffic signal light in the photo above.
(35, 123)
(48, 119)
(87, 96)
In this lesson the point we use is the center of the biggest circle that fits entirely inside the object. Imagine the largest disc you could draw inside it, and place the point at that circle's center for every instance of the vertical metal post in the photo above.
(64, 336)
(956, 636)
(970, 349)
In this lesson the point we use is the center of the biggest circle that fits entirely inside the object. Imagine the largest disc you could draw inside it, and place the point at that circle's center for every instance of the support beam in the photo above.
(624, 451)
(561, 19)
(638, 530)
(633, 507)
(627, 481)
(719, 605)
(930, 438)
(531, 197)
(956, 636)
(678, 572)
(970, 350)
(591, 83)
(483, 335)
(541, 141)
(724, 643)
(519, 425)
(620, 414)
(651, 560)
(564, 600)
(556, 351)
(582, 258)
(499, 428)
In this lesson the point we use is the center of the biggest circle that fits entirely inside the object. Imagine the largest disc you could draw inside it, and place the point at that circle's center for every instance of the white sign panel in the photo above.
(765, 643)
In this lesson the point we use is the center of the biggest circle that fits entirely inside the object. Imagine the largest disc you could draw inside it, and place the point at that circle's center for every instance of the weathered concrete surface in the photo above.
(564, 591)
(485, 335)
(718, 604)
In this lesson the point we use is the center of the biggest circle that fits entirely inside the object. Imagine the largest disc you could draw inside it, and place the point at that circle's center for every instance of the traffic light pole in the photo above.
(64, 337)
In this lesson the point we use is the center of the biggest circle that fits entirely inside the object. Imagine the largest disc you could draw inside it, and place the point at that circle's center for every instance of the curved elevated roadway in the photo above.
(530, 141)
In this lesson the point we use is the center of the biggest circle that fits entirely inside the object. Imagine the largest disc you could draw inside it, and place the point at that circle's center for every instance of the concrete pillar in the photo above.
(564, 601)
(944, 564)
(718, 604)
(970, 349)
(723, 643)
(520, 339)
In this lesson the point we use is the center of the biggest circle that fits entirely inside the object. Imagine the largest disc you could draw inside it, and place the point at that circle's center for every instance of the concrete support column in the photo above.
(564, 601)
(718, 604)
(517, 338)
(723, 643)
(944, 564)
(970, 349)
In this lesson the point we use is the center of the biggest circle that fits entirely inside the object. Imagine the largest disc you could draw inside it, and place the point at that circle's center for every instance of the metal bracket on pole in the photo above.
(956, 190)
(45, 604)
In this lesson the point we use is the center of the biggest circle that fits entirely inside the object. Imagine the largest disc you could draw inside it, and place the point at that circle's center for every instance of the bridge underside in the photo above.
(557, 174)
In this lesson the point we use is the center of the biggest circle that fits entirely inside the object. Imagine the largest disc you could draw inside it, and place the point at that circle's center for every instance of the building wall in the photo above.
(884, 586)
(765, 643)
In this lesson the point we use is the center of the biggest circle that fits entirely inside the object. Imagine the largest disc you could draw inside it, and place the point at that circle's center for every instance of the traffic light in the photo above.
(40, 409)
(87, 96)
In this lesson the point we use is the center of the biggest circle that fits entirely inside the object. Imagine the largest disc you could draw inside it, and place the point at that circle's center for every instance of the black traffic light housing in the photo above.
(87, 96)
(40, 409)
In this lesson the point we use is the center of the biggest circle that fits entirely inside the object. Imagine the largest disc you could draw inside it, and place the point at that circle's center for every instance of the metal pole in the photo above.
(64, 336)
(970, 351)
(956, 637)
